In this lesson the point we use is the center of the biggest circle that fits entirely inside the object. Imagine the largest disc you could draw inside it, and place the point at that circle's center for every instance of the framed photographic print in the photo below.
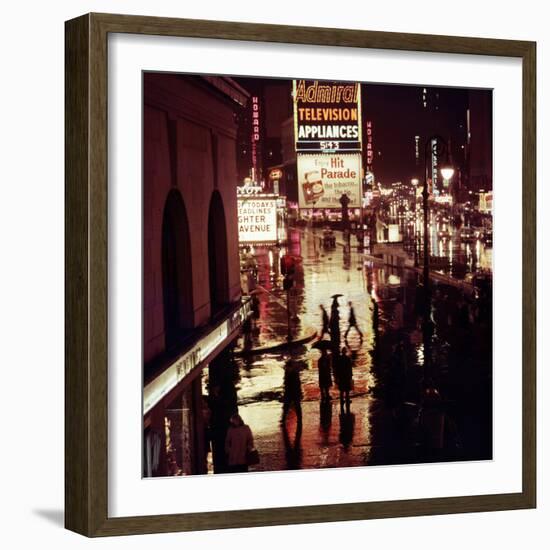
(300, 275)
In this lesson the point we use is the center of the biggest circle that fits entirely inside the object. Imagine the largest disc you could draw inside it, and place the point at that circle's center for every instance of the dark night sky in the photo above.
(397, 113)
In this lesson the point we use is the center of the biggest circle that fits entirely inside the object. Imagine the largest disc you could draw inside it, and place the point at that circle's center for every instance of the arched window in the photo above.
(217, 255)
(177, 284)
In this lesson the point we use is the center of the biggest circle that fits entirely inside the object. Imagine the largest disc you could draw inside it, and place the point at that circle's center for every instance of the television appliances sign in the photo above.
(327, 116)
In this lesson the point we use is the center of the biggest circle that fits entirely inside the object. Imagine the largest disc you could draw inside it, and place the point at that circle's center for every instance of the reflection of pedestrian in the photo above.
(344, 379)
(325, 376)
(247, 333)
(325, 321)
(352, 322)
(432, 423)
(238, 443)
(347, 425)
(292, 391)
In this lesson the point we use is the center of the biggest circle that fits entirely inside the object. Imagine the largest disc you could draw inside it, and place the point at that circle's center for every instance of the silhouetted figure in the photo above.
(238, 443)
(325, 321)
(335, 325)
(255, 308)
(352, 322)
(325, 375)
(344, 379)
(347, 256)
(247, 333)
(292, 396)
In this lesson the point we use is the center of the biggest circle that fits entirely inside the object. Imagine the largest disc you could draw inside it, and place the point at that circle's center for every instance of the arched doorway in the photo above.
(177, 285)
(217, 255)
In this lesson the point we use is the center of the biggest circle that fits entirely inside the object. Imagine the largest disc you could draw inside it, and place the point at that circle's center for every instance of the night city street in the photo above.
(317, 275)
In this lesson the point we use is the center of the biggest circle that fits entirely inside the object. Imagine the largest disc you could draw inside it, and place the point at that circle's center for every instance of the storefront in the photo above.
(175, 409)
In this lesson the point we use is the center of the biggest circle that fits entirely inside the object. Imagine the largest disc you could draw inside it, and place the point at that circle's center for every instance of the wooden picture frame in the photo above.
(86, 424)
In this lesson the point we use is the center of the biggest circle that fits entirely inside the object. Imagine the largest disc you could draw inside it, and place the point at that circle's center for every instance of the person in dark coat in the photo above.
(238, 443)
(352, 322)
(325, 321)
(344, 378)
(335, 325)
(325, 375)
(292, 386)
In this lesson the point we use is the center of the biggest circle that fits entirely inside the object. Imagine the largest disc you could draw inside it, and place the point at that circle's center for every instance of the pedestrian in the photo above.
(325, 321)
(239, 443)
(292, 386)
(335, 325)
(352, 322)
(255, 308)
(325, 375)
(344, 377)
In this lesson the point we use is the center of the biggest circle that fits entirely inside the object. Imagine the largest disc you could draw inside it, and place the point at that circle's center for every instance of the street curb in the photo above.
(275, 347)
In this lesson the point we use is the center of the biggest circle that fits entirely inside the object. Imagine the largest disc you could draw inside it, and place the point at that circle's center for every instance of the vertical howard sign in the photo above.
(327, 116)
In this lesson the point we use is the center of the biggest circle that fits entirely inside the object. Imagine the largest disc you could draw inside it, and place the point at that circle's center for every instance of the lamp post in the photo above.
(434, 144)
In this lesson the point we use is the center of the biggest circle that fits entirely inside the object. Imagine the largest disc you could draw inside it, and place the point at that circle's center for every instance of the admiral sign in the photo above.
(327, 116)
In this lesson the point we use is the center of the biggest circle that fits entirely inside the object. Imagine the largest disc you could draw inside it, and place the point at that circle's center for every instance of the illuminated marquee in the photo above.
(370, 145)
(327, 116)
(257, 218)
(255, 136)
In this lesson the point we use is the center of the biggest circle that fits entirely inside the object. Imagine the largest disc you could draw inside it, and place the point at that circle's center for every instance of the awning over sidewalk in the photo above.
(202, 350)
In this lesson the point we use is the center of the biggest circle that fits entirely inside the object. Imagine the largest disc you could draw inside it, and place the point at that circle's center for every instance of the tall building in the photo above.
(480, 141)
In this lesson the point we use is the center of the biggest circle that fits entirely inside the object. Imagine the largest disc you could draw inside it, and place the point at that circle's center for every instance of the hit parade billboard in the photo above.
(324, 178)
(327, 116)
(257, 219)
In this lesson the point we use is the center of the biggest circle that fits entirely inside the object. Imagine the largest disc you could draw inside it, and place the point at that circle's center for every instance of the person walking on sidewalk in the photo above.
(238, 443)
(325, 375)
(344, 378)
(335, 325)
(352, 323)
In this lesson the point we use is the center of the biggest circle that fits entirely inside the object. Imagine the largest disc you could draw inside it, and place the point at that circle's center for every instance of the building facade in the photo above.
(192, 307)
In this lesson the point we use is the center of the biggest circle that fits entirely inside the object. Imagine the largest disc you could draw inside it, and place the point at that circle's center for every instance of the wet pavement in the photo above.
(391, 418)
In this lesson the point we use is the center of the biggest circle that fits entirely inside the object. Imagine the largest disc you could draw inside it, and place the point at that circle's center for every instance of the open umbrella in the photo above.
(322, 344)
(335, 296)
